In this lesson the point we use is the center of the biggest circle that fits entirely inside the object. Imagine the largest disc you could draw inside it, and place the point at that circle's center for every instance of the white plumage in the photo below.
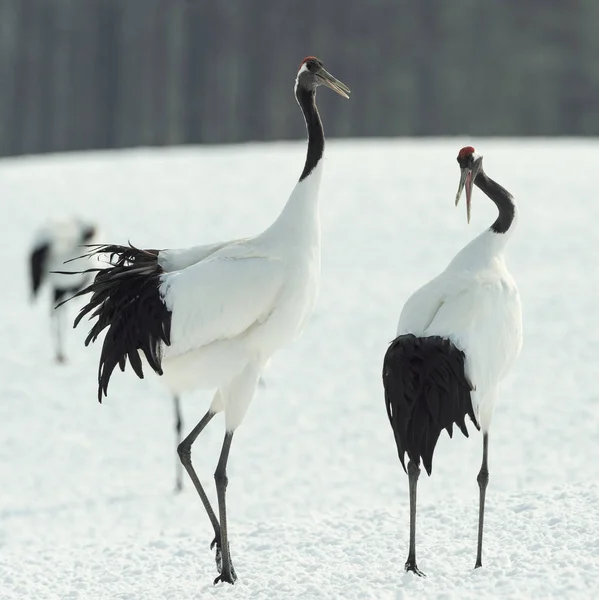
(59, 241)
(457, 337)
(63, 239)
(211, 316)
(233, 309)
(475, 303)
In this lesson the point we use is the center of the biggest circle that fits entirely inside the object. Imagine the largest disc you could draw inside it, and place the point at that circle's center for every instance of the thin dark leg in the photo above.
(178, 429)
(413, 474)
(57, 330)
(227, 572)
(483, 480)
(184, 450)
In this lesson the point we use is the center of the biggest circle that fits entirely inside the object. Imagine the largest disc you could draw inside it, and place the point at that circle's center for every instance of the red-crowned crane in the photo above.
(211, 316)
(58, 241)
(457, 337)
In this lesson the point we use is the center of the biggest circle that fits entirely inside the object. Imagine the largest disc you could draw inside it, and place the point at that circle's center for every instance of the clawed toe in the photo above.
(228, 576)
(411, 567)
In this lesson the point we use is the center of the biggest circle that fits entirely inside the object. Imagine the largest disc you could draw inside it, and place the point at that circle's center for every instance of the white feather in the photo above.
(234, 304)
(476, 304)
(64, 239)
(175, 260)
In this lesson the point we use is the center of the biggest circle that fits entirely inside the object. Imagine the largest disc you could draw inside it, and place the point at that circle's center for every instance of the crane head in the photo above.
(470, 165)
(311, 74)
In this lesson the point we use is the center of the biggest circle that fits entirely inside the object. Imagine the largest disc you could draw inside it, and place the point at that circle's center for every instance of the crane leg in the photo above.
(483, 480)
(57, 331)
(413, 474)
(227, 572)
(178, 429)
(184, 451)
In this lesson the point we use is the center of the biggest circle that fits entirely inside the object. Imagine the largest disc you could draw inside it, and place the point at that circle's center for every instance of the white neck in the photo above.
(298, 224)
(484, 248)
(300, 218)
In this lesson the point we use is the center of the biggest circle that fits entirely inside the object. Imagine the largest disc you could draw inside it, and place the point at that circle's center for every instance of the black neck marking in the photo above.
(503, 200)
(307, 101)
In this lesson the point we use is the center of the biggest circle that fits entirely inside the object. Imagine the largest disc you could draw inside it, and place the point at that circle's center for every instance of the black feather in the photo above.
(126, 301)
(37, 266)
(426, 391)
(61, 293)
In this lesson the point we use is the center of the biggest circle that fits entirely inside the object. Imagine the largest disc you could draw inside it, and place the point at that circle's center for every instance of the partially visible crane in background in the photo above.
(56, 242)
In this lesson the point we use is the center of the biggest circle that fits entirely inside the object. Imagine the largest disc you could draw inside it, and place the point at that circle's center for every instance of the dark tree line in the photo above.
(77, 74)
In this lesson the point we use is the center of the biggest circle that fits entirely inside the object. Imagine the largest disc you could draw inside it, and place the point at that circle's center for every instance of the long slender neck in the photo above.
(307, 101)
(299, 219)
(503, 200)
(491, 242)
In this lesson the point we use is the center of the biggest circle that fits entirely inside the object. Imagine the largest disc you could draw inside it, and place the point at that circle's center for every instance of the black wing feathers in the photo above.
(126, 301)
(37, 266)
(426, 391)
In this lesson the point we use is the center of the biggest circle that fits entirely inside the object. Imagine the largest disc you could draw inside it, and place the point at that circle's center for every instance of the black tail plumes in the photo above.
(426, 391)
(37, 266)
(126, 300)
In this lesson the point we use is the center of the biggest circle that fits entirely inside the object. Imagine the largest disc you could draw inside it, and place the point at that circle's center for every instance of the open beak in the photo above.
(466, 181)
(327, 79)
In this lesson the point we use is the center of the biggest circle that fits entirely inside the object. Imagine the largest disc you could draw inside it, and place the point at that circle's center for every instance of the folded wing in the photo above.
(142, 308)
(221, 297)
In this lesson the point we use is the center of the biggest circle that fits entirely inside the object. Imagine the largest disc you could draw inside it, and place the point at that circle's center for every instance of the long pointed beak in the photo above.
(465, 182)
(327, 79)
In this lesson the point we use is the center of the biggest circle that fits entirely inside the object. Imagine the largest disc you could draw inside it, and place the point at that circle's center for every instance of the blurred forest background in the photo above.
(78, 74)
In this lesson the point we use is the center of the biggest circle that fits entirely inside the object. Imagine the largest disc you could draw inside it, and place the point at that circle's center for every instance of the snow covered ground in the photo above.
(317, 499)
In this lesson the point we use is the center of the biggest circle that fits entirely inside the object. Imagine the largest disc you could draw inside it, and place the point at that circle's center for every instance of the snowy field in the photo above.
(318, 501)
